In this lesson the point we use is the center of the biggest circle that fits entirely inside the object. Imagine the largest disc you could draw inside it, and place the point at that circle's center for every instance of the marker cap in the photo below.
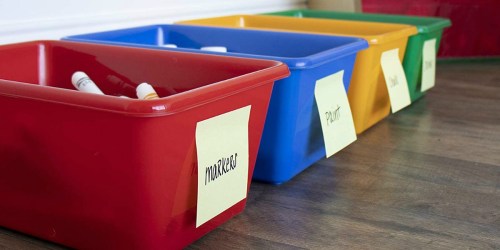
(146, 92)
(214, 48)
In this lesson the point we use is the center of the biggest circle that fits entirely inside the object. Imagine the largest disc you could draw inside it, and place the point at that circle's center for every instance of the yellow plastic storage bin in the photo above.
(368, 95)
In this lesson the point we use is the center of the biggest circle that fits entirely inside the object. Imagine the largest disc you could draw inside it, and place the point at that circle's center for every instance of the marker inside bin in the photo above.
(169, 45)
(146, 92)
(214, 48)
(83, 83)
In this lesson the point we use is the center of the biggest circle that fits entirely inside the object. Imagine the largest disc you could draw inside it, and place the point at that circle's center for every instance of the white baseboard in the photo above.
(54, 27)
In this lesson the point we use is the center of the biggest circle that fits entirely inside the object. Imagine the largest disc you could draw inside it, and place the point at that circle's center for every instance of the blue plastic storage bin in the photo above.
(292, 138)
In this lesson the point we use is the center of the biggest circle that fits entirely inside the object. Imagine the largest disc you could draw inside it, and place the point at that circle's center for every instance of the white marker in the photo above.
(146, 92)
(169, 45)
(83, 83)
(215, 48)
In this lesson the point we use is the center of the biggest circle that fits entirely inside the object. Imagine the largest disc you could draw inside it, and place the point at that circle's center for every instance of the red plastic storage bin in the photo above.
(102, 172)
(474, 23)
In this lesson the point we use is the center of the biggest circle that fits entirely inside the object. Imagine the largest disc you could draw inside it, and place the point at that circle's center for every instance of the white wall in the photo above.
(23, 20)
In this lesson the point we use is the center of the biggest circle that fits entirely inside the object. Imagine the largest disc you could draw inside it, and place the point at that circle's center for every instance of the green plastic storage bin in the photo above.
(428, 28)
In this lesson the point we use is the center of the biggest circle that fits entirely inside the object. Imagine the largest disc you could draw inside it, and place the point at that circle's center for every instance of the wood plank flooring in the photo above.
(427, 177)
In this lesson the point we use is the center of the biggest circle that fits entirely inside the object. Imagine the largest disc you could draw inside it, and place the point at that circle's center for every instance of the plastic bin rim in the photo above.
(143, 108)
(438, 24)
(403, 31)
(293, 63)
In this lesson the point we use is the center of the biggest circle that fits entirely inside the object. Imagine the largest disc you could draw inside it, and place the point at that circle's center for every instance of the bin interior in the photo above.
(252, 42)
(372, 32)
(52, 63)
(424, 24)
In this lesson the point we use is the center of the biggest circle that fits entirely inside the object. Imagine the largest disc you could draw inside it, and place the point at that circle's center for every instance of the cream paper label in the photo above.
(335, 113)
(222, 150)
(395, 80)
(428, 65)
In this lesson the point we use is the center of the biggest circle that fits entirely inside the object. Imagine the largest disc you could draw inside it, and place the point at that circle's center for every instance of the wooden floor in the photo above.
(427, 177)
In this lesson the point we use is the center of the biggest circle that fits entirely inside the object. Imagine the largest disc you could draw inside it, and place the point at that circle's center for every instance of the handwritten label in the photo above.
(222, 150)
(335, 113)
(428, 65)
(395, 80)
(332, 115)
(220, 168)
